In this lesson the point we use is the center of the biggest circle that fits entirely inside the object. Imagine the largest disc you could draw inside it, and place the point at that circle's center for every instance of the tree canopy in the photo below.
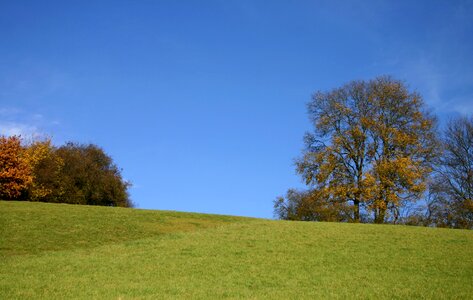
(452, 187)
(15, 172)
(89, 176)
(73, 173)
(371, 148)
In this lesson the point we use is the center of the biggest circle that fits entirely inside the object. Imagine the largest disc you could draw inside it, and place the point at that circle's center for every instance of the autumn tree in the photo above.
(15, 173)
(402, 149)
(371, 148)
(46, 167)
(452, 187)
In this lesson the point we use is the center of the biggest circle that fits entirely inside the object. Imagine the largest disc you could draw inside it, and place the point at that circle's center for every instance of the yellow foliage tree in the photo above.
(45, 165)
(372, 146)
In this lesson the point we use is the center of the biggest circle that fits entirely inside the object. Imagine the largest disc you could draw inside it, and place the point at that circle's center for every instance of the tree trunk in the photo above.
(379, 216)
(357, 211)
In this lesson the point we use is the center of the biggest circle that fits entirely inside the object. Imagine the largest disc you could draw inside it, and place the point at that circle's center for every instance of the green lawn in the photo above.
(55, 251)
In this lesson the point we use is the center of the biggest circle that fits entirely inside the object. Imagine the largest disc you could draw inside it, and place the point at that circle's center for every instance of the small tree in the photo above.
(310, 206)
(15, 173)
(453, 184)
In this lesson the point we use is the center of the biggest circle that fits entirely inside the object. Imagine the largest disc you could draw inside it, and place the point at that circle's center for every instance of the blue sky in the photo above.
(202, 103)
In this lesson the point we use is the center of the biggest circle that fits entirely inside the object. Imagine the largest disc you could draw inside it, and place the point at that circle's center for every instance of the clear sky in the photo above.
(203, 103)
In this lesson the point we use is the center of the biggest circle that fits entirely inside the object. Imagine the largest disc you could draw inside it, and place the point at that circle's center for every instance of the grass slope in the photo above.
(66, 251)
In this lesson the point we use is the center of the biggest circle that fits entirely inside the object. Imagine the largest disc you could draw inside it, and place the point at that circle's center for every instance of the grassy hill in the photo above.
(66, 251)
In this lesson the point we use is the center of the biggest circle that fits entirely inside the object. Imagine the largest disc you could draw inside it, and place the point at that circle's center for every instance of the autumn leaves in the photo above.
(72, 173)
(370, 152)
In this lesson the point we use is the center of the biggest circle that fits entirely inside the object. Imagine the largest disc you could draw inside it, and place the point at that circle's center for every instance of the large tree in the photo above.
(89, 176)
(372, 147)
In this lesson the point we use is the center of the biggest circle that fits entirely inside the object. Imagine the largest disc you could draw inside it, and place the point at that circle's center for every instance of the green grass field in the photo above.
(53, 251)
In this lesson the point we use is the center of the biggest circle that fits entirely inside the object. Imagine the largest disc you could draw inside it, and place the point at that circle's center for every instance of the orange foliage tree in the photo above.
(15, 173)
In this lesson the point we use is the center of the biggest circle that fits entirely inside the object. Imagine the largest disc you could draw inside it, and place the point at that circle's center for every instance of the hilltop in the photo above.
(71, 251)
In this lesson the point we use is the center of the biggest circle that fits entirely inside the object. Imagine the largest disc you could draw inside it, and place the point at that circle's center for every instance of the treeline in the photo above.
(73, 173)
(375, 154)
